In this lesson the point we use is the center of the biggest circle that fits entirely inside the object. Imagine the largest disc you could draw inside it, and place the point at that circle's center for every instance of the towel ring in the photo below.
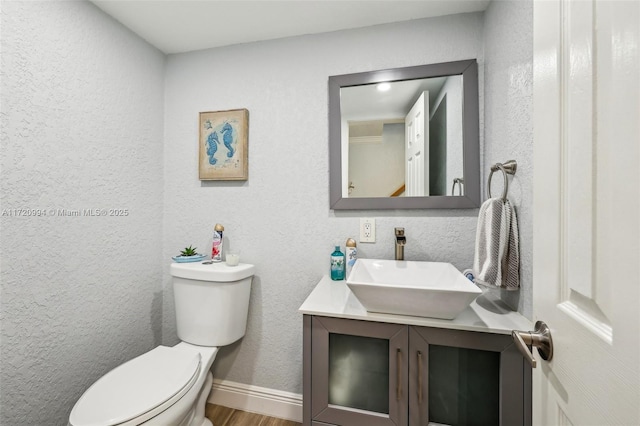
(457, 182)
(509, 167)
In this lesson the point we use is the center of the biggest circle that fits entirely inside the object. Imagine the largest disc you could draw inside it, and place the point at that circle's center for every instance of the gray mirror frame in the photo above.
(471, 138)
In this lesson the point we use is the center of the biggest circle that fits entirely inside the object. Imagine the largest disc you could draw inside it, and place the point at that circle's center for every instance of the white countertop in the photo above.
(486, 314)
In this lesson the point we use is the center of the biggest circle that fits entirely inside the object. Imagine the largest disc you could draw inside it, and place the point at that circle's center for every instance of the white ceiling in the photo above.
(176, 26)
(366, 102)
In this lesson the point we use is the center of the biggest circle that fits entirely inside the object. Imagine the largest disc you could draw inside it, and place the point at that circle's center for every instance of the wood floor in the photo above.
(224, 416)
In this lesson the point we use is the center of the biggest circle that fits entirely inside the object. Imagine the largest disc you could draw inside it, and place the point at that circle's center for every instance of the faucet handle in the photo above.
(401, 240)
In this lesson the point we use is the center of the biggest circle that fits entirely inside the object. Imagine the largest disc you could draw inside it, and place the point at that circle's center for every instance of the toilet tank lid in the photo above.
(218, 272)
(138, 389)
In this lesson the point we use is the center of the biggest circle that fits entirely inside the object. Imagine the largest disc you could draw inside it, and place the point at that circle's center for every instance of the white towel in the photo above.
(497, 252)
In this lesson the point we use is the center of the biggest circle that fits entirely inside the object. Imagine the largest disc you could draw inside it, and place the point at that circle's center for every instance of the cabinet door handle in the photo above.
(399, 374)
(419, 377)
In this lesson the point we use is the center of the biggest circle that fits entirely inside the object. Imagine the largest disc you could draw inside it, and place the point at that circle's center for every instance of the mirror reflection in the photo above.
(404, 138)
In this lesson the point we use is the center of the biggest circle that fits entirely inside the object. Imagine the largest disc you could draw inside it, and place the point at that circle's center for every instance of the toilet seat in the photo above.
(138, 389)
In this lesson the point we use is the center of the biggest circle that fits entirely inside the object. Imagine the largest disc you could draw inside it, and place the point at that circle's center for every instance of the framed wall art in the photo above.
(224, 140)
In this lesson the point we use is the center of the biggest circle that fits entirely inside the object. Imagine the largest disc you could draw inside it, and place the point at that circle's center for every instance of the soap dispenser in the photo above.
(337, 264)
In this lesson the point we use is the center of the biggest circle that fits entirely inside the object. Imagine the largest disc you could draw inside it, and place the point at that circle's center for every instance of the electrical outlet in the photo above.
(367, 230)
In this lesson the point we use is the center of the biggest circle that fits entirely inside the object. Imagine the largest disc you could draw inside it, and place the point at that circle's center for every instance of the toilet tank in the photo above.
(211, 301)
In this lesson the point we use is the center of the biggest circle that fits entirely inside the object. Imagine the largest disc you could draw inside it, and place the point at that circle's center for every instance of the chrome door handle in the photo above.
(540, 338)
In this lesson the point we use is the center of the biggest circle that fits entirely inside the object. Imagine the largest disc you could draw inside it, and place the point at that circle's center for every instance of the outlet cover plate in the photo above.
(367, 230)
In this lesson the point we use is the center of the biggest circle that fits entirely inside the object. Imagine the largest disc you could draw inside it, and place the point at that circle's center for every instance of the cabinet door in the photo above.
(358, 372)
(466, 378)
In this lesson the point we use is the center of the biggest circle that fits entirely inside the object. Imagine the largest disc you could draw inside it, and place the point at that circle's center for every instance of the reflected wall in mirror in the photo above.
(405, 138)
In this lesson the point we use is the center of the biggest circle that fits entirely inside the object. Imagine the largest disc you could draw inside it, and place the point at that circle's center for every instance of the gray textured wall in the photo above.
(508, 123)
(81, 117)
(280, 217)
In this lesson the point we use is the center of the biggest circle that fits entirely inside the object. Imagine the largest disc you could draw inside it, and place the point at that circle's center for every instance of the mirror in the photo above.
(405, 138)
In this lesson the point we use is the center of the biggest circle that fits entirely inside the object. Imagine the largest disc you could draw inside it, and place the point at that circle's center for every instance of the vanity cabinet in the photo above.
(376, 373)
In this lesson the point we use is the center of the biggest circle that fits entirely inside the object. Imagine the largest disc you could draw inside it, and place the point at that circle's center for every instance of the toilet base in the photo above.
(199, 419)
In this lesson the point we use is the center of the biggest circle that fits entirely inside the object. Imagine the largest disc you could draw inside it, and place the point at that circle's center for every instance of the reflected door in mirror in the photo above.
(417, 148)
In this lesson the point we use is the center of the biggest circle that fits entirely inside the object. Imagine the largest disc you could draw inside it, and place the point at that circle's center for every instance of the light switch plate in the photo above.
(367, 230)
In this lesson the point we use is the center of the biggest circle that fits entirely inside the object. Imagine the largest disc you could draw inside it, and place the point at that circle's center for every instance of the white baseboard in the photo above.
(256, 399)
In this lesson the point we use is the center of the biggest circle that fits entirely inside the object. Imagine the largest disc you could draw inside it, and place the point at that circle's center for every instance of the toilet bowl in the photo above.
(170, 385)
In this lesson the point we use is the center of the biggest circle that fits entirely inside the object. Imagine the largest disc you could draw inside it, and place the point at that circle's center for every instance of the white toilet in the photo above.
(170, 385)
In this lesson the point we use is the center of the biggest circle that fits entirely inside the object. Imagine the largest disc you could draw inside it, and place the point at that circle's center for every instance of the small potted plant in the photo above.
(189, 254)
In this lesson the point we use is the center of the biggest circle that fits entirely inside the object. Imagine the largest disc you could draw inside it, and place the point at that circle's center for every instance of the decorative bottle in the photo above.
(337, 264)
(351, 255)
(216, 248)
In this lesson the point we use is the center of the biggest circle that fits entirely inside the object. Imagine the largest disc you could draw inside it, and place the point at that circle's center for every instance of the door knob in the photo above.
(540, 338)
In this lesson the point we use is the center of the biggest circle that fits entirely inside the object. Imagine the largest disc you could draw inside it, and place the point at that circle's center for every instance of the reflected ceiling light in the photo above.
(383, 87)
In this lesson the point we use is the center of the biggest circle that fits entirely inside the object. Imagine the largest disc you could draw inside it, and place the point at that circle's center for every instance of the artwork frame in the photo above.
(224, 145)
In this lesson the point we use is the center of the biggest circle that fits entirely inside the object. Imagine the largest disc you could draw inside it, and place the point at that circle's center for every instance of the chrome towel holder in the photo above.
(508, 167)
(457, 182)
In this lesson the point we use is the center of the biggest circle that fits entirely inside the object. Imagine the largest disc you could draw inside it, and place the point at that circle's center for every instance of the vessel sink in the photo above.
(405, 287)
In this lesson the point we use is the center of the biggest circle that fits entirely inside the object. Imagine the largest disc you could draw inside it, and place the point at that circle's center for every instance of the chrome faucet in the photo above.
(401, 240)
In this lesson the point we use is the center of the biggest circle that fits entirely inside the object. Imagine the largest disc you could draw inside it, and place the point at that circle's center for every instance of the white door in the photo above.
(586, 252)
(417, 148)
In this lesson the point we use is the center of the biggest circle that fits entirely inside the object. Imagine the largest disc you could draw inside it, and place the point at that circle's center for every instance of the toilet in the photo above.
(170, 385)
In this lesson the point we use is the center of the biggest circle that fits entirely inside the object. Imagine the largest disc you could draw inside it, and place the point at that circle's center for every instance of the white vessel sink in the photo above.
(405, 287)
